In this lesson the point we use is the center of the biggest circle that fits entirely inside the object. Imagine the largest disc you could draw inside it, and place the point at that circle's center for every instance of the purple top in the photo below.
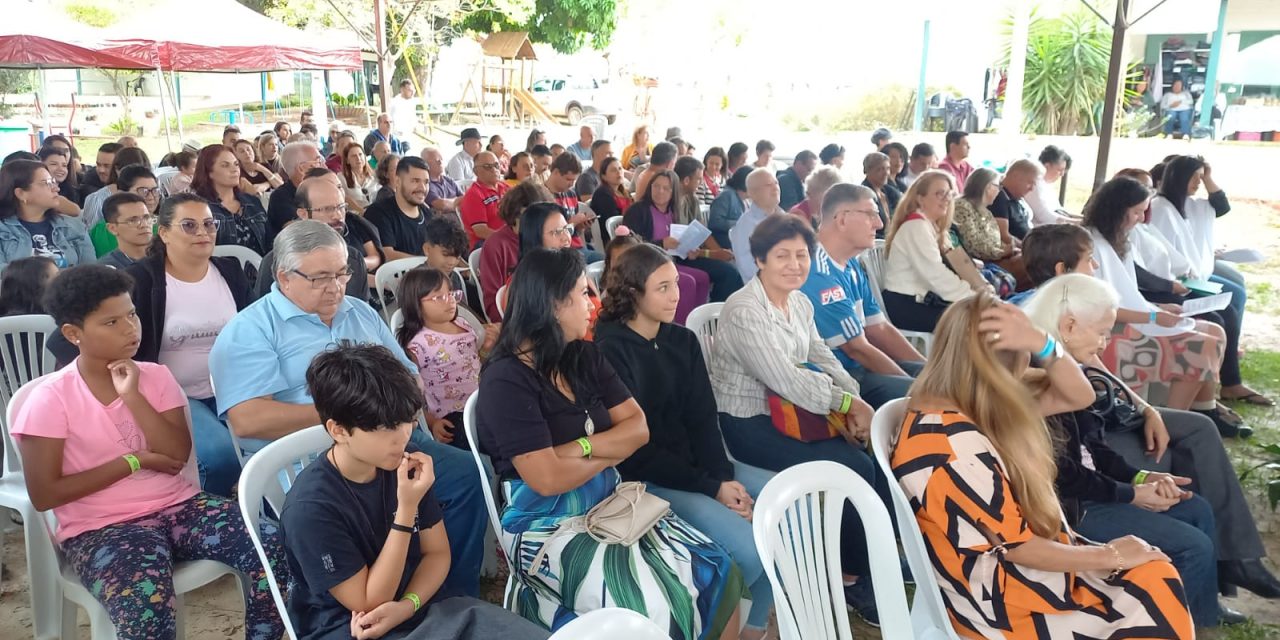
(444, 188)
(661, 224)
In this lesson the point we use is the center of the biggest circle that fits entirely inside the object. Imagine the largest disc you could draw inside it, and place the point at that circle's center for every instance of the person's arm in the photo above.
(888, 339)
(1074, 480)
(67, 207)
(444, 205)
(747, 331)
(255, 189)
(871, 358)
(372, 259)
(1217, 197)
(604, 205)
(166, 432)
(269, 419)
(926, 258)
(48, 488)
(1148, 281)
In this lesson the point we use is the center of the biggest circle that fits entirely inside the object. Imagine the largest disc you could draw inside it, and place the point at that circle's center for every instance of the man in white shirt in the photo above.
(463, 165)
(764, 193)
(922, 159)
(403, 109)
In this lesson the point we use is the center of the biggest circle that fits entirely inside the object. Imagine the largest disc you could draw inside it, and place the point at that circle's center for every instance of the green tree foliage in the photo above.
(1066, 77)
(567, 25)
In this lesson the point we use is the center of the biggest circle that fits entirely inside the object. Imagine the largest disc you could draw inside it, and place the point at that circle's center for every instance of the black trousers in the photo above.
(909, 315)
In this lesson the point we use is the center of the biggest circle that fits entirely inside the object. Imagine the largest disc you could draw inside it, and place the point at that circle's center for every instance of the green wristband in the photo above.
(1140, 477)
(413, 597)
(134, 465)
(586, 446)
(846, 402)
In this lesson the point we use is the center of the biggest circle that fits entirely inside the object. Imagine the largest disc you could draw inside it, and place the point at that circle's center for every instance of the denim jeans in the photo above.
(1183, 120)
(732, 531)
(1185, 533)
(754, 441)
(216, 456)
(461, 499)
(879, 388)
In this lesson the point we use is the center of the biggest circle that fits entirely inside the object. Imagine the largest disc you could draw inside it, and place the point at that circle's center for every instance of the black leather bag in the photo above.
(1114, 405)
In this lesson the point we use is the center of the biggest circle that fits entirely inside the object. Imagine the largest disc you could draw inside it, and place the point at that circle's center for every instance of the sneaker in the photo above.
(860, 598)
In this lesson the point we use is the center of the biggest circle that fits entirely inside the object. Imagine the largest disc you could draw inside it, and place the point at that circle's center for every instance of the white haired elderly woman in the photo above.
(1079, 310)
(815, 186)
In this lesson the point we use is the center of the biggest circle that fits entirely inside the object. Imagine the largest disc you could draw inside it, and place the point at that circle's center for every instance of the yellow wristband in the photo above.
(134, 465)
(413, 597)
(846, 402)
(586, 446)
(1140, 477)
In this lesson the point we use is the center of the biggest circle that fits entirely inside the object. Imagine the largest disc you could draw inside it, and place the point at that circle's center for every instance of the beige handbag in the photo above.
(622, 518)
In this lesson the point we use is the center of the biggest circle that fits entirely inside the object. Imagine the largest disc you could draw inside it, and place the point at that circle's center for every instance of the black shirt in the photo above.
(331, 532)
(669, 378)
(530, 414)
(42, 241)
(247, 228)
(1006, 208)
(398, 231)
(790, 189)
(359, 231)
(282, 208)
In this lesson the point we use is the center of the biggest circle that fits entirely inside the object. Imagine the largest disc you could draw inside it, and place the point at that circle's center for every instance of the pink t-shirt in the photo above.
(449, 365)
(194, 315)
(63, 407)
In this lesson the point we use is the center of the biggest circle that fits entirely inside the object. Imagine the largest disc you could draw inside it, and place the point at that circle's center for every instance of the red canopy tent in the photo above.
(33, 36)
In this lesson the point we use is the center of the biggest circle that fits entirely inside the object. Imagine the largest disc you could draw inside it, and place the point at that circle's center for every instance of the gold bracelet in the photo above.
(1119, 561)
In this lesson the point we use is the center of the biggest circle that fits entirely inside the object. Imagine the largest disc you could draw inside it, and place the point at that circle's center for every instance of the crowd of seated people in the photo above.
(588, 379)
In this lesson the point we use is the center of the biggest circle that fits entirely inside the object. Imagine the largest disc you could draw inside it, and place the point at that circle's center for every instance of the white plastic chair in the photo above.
(797, 532)
(244, 254)
(474, 323)
(500, 301)
(612, 622)
(611, 225)
(929, 618)
(23, 356)
(872, 261)
(703, 321)
(473, 261)
(486, 483)
(387, 278)
(54, 585)
(595, 271)
(262, 479)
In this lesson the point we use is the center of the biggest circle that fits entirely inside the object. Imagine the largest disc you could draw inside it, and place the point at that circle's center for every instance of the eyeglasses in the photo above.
(948, 194)
(335, 210)
(321, 281)
(140, 222)
(874, 213)
(491, 166)
(147, 192)
(192, 227)
(456, 296)
(48, 182)
(566, 231)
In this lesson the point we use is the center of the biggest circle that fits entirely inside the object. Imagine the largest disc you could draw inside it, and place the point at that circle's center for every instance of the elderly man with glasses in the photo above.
(259, 364)
(321, 199)
(479, 205)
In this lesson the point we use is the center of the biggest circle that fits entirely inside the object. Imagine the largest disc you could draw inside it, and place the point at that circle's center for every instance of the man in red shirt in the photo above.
(479, 205)
(955, 163)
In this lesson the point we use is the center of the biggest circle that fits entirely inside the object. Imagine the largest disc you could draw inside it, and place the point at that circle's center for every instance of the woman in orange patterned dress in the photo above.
(976, 461)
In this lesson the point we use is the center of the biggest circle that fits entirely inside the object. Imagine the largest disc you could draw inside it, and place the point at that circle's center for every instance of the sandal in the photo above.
(1253, 398)
(1229, 415)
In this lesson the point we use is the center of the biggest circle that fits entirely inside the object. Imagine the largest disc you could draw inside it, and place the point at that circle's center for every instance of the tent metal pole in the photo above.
(1114, 81)
(920, 87)
(174, 90)
(1215, 58)
(164, 111)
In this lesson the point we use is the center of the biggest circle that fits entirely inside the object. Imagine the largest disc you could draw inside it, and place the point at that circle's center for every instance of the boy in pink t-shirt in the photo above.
(104, 443)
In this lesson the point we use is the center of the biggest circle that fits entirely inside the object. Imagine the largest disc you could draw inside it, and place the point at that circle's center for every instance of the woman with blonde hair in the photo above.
(918, 286)
(975, 456)
(636, 154)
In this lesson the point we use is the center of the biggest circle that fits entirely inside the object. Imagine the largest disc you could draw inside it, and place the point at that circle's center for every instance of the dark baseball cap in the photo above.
(470, 133)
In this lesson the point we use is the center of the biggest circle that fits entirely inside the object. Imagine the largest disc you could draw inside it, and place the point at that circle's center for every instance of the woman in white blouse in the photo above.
(918, 286)
(767, 344)
(358, 179)
(1046, 208)
(1187, 223)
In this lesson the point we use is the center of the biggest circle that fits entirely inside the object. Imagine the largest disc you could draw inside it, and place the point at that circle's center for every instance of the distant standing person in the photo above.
(403, 109)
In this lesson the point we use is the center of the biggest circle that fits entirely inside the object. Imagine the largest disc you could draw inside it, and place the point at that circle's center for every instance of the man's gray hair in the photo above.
(301, 238)
(843, 193)
(291, 157)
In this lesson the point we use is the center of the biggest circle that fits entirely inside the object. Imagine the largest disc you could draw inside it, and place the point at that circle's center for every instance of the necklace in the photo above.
(356, 503)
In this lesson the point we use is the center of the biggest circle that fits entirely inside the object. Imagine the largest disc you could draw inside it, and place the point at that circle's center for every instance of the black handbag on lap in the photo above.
(1114, 405)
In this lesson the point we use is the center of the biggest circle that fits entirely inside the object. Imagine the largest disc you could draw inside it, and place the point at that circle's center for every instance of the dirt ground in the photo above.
(1245, 171)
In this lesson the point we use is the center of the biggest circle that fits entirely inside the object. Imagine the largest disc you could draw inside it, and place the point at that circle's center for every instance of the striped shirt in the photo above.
(758, 347)
(843, 304)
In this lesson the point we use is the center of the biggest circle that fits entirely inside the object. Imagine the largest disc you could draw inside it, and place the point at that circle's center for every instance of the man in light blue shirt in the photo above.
(259, 364)
(845, 310)
(763, 190)
(582, 148)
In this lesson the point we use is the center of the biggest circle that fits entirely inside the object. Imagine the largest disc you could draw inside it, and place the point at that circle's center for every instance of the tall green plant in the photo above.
(1066, 71)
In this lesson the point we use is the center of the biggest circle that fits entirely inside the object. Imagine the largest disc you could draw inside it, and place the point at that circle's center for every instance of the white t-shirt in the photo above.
(194, 315)
(404, 115)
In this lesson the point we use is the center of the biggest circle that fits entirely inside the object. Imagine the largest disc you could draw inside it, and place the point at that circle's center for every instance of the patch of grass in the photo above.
(1263, 297)
(1248, 631)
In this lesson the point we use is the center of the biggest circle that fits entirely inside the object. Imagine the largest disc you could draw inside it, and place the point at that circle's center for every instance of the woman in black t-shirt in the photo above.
(556, 419)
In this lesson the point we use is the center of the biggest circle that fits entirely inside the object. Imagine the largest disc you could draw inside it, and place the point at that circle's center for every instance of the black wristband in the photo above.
(400, 527)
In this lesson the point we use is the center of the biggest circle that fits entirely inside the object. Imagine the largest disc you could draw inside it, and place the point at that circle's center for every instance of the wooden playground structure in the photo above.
(499, 83)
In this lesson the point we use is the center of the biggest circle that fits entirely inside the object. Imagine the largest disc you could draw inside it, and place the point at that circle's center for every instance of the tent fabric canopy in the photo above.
(34, 36)
(1255, 65)
(224, 35)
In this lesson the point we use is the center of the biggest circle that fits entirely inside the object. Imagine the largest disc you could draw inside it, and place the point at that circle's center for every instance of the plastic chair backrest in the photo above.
(929, 616)
(703, 321)
(473, 261)
(873, 264)
(23, 357)
(244, 254)
(387, 279)
(477, 327)
(595, 271)
(611, 225)
(611, 622)
(500, 301)
(797, 533)
(262, 479)
(469, 425)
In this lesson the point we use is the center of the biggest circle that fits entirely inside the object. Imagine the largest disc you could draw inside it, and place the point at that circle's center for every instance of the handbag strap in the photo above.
(628, 492)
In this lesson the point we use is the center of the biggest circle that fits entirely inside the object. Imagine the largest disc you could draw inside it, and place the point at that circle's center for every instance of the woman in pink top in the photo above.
(443, 346)
(104, 443)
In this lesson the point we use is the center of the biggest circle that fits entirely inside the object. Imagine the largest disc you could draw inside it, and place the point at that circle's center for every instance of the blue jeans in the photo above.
(216, 456)
(732, 531)
(754, 441)
(1185, 533)
(1183, 120)
(879, 388)
(590, 255)
(461, 498)
(1236, 288)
